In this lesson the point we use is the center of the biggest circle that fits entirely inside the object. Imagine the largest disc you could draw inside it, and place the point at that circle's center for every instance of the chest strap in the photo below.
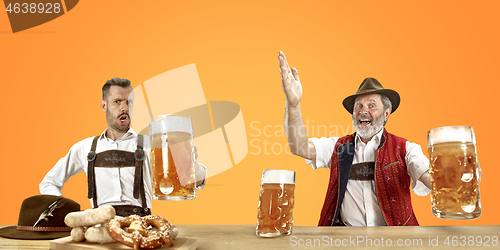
(117, 158)
(364, 171)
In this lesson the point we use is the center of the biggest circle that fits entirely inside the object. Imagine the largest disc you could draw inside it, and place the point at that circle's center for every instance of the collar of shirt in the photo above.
(129, 135)
(366, 151)
(376, 138)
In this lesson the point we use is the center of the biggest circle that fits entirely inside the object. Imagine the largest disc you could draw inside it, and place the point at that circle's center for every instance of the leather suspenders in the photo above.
(117, 159)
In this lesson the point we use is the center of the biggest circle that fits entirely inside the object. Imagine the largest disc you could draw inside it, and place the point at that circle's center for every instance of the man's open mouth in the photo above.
(123, 118)
(364, 122)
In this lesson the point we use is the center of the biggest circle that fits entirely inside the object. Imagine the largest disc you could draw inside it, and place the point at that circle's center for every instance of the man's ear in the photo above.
(104, 106)
(387, 113)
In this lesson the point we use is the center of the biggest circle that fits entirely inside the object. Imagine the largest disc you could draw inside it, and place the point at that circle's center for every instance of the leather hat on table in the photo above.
(371, 86)
(53, 227)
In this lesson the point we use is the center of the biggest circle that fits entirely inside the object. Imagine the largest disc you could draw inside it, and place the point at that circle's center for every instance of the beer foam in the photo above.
(170, 123)
(278, 176)
(451, 134)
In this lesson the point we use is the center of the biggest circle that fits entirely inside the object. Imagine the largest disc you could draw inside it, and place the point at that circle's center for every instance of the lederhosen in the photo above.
(119, 159)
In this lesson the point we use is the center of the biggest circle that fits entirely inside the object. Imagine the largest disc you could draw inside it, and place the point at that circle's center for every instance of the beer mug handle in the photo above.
(201, 175)
(479, 172)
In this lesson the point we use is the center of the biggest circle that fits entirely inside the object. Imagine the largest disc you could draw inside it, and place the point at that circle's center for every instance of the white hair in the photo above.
(387, 104)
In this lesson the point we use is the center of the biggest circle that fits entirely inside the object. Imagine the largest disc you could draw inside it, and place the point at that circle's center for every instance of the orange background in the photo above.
(442, 57)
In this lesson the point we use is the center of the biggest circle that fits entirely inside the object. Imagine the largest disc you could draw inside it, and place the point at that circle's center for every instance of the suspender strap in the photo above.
(92, 194)
(363, 171)
(138, 180)
(139, 156)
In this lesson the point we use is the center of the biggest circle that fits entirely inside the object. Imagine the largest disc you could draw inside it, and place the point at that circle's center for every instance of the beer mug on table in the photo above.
(454, 171)
(172, 158)
(276, 203)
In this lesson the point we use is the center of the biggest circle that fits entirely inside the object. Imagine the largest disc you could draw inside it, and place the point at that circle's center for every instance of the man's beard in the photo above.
(113, 124)
(367, 132)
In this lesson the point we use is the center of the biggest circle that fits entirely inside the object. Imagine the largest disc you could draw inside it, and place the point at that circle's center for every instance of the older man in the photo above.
(116, 161)
(370, 170)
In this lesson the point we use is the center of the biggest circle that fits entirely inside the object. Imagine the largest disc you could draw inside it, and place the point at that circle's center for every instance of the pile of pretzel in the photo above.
(101, 225)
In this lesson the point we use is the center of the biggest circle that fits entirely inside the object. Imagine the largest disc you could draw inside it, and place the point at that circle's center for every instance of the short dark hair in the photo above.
(116, 81)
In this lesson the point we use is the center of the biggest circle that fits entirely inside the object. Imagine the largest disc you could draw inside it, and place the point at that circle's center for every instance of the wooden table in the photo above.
(243, 237)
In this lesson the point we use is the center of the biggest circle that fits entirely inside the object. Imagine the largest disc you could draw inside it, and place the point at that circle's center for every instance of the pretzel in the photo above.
(139, 233)
(90, 217)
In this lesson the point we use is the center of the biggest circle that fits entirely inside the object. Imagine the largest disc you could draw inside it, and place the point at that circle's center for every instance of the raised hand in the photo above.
(290, 81)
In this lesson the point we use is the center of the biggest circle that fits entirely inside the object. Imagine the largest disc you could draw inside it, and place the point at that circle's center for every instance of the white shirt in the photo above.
(114, 185)
(360, 206)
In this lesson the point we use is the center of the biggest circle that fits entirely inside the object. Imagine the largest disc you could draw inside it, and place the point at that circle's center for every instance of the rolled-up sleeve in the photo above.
(324, 150)
(71, 164)
(417, 164)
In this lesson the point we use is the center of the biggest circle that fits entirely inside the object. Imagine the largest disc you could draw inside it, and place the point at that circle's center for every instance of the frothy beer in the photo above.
(172, 161)
(455, 187)
(275, 210)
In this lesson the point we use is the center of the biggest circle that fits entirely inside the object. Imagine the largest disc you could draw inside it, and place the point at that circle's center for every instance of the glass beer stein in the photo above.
(454, 173)
(276, 203)
(172, 158)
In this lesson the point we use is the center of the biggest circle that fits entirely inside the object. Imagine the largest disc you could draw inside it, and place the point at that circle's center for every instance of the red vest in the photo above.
(392, 182)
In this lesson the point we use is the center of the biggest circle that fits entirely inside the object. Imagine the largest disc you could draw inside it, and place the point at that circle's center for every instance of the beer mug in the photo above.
(454, 171)
(276, 203)
(172, 158)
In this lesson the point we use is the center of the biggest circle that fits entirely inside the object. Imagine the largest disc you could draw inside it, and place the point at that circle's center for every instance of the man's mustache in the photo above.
(124, 113)
(363, 117)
